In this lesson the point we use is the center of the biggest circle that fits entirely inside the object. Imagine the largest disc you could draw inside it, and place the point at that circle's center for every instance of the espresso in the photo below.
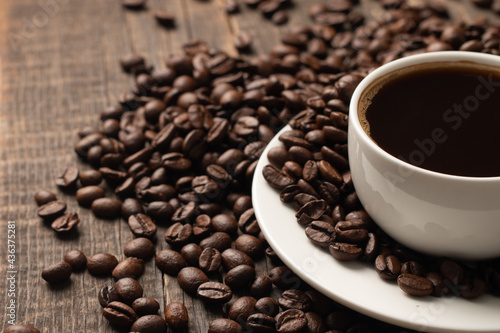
(443, 117)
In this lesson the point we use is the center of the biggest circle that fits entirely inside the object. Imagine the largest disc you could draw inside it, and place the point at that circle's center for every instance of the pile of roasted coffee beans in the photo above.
(180, 148)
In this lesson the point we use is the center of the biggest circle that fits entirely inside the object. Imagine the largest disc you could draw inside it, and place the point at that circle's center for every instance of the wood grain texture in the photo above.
(58, 69)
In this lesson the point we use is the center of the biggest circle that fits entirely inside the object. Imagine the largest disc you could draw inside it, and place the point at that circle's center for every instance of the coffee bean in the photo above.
(127, 290)
(259, 322)
(106, 208)
(106, 295)
(232, 258)
(268, 306)
(218, 240)
(164, 18)
(190, 278)
(276, 178)
(133, 4)
(249, 245)
(210, 260)
(145, 306)
(43, 197)
(415, 285)
(86, 195)
(352, 231)
(101, 264)
(65, 223)
(225, 223)
(439, 286)
(242, 40)
(178, 234)
(413, 267)
(223, 325)
(160, 211)
(280, 17)
(68, 178)
(21, 328)
(170, 262)
(191, 253)
(388, 267)
(90, 177)
(291, 320)
(141, 248)
(240, 276)
(345, 251)
(119, 314)
(248, 222)
(320, 233)
(149, 324)
(57, 273)
(261, 286)
(315, 323)
(242, 308)
(142, 226)
(214, 293)
(130, 267)
(283, 278)
(295, 299)
(51, 210)
(451, 271)
(76, 259)
(176, 316)
(471, 288)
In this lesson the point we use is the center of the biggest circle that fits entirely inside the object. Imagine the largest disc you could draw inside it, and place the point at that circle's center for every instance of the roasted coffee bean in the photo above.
(310, 211)
(242, 40)
(345, 251)
(130, 61)
(352, 231)
(218, 240)
(145, 306)
(320, 233)
(280, 17)
(283, 278)
(248, 222)
(224, 325)
(268, 306)
(178, 235)
(225, 223)
(142, 226)
(413, 267)
(149, 324)
(242, 308)
(133, 4)
(186, 213)
(130, 267)
(106, 208)
(90, 177)
(240, 276)
(232, 258)
(164, 18)
(86, 195)
(43, 197)
(214, 293)
(439, 286)
(261, 286)
(141, 248)
(250, 245)
(101, 264)
(471, 288)
(160, 211)
(170, 262)
(315, 323)
(242, 204)
(68, 178)
(57, 273)
(276, 178)
(321, 304)
(106, 296)
(66, 223)
(83, 147)
(291, 320)
(127, 290)
(176, 316)
(21, 328)
(119, 314)
(259, 322)
(295, 299)
(210, 260)
(76, 259)
(452, 272)
(388, 267)
(340, 320)
(415, 285)
(51, 210)
(190, 278)
(191, 253)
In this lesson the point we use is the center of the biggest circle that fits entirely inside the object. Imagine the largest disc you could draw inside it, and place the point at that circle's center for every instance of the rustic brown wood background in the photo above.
(58, 69)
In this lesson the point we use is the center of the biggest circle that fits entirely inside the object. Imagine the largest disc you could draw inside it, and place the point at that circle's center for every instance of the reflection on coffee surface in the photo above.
(443, 117)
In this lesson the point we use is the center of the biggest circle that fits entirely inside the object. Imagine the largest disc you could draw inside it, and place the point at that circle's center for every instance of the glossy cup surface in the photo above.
(431, 212)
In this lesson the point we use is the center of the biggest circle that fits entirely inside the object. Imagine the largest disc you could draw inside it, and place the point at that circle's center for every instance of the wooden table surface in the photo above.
(59, 68)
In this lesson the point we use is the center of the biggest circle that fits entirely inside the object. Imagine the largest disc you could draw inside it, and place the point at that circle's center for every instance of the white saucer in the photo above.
(357, 285)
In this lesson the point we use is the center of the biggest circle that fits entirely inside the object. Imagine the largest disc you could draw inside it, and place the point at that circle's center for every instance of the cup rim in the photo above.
(431, 57)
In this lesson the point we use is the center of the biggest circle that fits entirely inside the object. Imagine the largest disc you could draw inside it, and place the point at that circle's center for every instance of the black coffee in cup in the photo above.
(442, 116)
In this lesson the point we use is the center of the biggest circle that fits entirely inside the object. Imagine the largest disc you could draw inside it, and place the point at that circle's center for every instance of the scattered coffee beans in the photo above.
(57, 273)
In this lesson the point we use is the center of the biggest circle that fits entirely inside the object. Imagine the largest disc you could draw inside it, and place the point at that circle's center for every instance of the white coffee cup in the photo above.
(431, 212)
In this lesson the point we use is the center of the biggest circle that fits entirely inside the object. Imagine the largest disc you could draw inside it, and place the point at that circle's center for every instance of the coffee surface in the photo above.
(443, 117)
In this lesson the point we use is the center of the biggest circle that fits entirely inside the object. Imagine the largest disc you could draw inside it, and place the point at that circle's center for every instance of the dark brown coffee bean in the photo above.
(190, 278)
(321, 304)
(248, 222)
(315, 323)
(186, 213)
(268, 306)
(149, 324)
(224, 325)
(101, 264)
(106, 296)
(141, 248)
(210, 260)
(130, 61)
(133, 4)
(225, 223)
(291, 320)
(276, 178)
(471, 288)
(119, 314)
(176, 316)
(145, 306)
(76, 259)
(250, 245)
(388, 267)
(68, 178)
(280, 17)
(218, 240)
(283, 278)
(345, 251)
(66, 223)
(261, 286)
(191, 253)
(21, 328)
(352, 231)
(51, 210)
(106, 208)
(142, 226)
(242, 308)
(262, 323)
(57, 273)
(170, 262)
(83, 147)
(130, 267)
(295, 299)
(164, 18)
(242, 40)
(413, 267)
(232, 258)
(86, 195)
(451, 271)
(320, 233)
(214, 293)
(43, 197)
(90, 177)
(178, 234)
(439, 286)
(240, 276)
(127, 290)
(415, 285)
